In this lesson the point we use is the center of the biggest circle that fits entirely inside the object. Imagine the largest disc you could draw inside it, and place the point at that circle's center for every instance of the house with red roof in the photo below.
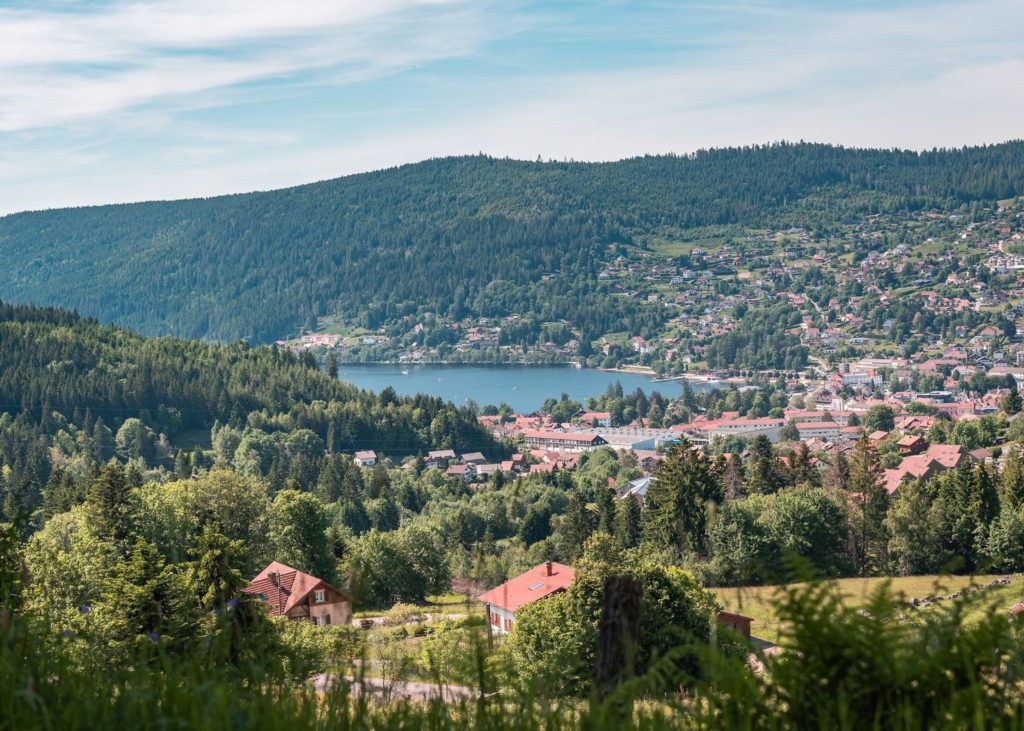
(596, 418)
(296, 595)
(503, 601)
(564, 441)
(366, 458)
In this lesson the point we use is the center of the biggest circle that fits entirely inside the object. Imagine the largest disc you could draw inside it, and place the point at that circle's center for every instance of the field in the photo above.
(758, 601)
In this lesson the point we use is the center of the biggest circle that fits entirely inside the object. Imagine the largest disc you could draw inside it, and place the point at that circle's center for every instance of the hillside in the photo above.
(69, 384)
(470, 236)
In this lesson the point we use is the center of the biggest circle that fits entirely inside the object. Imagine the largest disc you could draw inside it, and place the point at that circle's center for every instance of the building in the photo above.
(633, 438)
(562, 441)
(912, 444)
(365, 459)
(459, 472)
(738, 622)
(636, 489)
(596, 418)
(297, 595)
(439, 458)
(826, 430)
(707, 431)
(502, 602)
(473, 458)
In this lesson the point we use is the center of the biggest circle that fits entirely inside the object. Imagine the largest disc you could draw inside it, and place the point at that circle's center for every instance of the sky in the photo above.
(106, 101)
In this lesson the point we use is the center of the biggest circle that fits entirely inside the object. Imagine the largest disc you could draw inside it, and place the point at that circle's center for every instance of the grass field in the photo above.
(758, 601)
(438, 604)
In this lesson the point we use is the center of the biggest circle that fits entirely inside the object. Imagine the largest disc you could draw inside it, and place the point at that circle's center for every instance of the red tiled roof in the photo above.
(948, 455)
(559, 435)
(289, 588)
(530, 586)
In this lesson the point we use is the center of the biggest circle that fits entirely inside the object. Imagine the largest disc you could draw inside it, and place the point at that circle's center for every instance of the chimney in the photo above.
(273, 576)
(547, 566)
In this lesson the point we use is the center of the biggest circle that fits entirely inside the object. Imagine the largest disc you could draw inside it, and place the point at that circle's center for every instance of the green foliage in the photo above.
(761, 341)
(879, 418)
(554, 639)
(297, 525)
(753, 540)
(480, 247)
(403, 565)
(676, 505)
(262, 403)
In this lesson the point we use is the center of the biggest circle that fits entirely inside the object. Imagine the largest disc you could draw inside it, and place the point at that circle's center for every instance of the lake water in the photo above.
(524, 388)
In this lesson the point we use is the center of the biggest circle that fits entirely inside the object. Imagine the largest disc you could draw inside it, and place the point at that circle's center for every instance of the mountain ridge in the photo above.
(436, 235)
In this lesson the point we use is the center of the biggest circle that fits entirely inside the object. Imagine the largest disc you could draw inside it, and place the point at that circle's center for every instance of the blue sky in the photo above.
(112, 100)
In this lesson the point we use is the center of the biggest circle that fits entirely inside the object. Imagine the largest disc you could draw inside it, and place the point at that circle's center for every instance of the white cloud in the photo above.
(57, 66)
(913, 76)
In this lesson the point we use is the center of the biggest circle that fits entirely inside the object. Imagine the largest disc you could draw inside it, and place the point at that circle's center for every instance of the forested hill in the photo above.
(459, 236)
(62, 373)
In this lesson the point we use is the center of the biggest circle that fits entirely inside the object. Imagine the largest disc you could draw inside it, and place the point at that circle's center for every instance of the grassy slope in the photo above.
(758, 601)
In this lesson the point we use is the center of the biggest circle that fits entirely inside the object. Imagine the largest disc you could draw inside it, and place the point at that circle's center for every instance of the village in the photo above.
(891, 285)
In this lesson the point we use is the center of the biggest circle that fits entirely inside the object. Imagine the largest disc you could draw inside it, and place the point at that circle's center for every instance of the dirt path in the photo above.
(400, 690)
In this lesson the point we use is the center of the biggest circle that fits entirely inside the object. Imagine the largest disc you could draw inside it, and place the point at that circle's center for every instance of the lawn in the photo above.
(758, 601)
(439, 604)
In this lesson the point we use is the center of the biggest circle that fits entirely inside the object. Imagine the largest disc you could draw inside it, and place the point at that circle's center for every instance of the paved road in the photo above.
(403, 690)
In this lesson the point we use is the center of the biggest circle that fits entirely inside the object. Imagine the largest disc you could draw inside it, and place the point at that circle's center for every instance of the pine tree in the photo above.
(675, 507)
(182, 464)
(1013, 479)
(837, 478)
(803, 471)
(144, 597)
(575, 526)
(765, 475)
(734, 481)
(868, 504)
(214, 576)
(628, 522)
(606, 511)
(102, 442)
(107, 502)
(329, 483)
(1011, 403)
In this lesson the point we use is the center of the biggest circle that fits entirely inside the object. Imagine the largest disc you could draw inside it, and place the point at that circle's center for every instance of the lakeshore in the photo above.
(522, 387)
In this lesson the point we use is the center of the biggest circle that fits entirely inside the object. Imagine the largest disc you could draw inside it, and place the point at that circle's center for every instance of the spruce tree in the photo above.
(675, 507)
(628, 522)
(107, 503)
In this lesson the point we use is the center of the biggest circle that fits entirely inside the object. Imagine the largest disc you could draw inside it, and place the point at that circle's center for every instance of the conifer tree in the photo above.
(675, 507)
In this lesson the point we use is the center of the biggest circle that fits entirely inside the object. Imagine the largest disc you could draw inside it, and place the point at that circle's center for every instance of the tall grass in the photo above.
(869, 667)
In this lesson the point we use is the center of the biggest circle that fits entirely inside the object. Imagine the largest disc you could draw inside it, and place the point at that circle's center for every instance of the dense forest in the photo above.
(456, 236)
(75, 394)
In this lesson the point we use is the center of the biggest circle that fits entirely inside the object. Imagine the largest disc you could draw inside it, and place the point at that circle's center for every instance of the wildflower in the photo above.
(68, 634)
(85, 609)
(232, 603)
(153, 636)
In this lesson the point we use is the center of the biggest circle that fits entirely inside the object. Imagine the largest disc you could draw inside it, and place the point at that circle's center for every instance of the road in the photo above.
(401, 690)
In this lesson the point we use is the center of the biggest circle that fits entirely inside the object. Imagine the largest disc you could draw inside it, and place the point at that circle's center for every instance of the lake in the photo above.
(524, 388)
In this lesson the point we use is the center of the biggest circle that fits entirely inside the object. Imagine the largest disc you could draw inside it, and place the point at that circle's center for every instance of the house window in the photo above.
(319, 596)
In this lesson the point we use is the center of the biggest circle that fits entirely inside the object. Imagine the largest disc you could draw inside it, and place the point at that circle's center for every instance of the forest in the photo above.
(467, 236)
(75, 394)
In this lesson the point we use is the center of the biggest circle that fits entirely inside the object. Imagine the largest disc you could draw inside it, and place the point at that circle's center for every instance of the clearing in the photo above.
(758, 601)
